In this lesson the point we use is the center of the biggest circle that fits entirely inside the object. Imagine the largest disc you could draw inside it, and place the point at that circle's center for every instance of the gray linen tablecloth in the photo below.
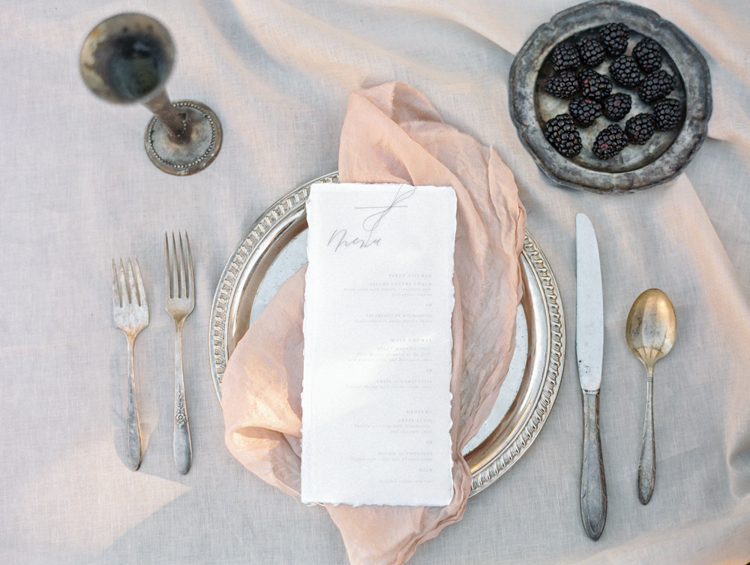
(78, 189)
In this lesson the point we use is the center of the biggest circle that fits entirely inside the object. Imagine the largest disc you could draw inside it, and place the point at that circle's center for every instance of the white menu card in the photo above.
(376, 401)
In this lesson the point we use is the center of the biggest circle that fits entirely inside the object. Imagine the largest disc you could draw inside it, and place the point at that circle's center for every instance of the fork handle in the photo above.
(182, 446)
(133, 425)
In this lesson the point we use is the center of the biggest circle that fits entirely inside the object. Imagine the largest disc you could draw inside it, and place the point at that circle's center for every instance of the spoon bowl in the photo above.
(650, 332)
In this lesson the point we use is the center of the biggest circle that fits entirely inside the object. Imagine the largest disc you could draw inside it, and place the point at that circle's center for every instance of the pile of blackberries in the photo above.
(591, 93)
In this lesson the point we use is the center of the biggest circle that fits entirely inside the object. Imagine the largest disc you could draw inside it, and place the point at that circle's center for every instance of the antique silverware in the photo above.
(650, 332)
(130, 311)
(180, 301)
(589, 350)
(128, 58)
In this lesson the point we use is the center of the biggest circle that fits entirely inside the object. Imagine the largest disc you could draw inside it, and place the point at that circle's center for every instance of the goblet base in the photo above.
(198, 147)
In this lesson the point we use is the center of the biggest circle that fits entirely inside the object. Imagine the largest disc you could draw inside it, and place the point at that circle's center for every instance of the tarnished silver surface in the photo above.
(180, 301)
(166, 114)
(589, 353)
(593, 485)
(130, 312)
(196, 147)
(273, 249)
(127, 59)
(638, 166)
(650, 332)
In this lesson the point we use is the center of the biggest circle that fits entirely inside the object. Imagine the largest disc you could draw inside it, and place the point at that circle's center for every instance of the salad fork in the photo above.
(130, 311)
(180, 301)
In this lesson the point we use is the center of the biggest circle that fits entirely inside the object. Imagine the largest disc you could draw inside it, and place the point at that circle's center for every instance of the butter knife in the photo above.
(589, 352)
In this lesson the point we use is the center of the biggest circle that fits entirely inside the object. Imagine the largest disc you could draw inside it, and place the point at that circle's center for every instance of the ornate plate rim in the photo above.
(258, 240)
(523, 75)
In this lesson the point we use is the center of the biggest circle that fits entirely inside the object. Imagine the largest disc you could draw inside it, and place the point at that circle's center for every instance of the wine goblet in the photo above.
(127, 59)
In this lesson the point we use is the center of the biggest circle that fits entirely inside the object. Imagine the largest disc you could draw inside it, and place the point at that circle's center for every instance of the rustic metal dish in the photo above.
(637, 166)
(275, 247)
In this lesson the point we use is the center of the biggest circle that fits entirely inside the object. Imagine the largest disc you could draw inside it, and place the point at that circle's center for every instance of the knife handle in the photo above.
(593, 486)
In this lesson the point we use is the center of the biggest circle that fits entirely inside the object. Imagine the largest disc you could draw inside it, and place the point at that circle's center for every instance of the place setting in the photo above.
(131, 315)
(389, 339)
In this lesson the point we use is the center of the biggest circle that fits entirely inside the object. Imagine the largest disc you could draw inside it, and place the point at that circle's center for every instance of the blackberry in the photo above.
(563, 86)
(614, 37)
(565, 56)
(594, 85)
(647, 54)
(591, 51)
(610, 141)
(640, 128)
(561, 132)
(617, 106)
(625, 70)
(656, 85)
(584, 110)
(667, 114)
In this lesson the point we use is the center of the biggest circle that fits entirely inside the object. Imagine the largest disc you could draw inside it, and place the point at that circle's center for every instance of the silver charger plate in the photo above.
(274, 248)
(637, 167)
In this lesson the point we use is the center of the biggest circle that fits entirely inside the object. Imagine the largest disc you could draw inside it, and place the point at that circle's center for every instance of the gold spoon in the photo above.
(650, 333)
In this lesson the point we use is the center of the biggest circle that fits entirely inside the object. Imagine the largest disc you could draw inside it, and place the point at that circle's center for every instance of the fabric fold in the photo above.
(392, 134)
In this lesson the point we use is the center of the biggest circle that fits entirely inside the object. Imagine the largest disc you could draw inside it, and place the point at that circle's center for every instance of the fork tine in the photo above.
(132, 291)
(175, 269)
(182, 269)
(124, 295)
(190, 275)
(139, 284)
(167, 267)
(116, 296)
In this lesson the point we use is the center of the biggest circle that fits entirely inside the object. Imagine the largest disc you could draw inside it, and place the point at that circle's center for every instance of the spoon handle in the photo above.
(647, 463)
(593, 485)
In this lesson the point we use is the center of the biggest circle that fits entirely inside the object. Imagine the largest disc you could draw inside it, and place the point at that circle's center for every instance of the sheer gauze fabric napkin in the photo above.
(392, 134)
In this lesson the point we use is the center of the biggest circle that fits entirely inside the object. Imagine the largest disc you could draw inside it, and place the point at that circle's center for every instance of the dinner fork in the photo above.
(180, 301)
(131, 316)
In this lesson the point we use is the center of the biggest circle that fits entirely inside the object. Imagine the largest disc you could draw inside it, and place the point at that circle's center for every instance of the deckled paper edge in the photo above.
(306, 354)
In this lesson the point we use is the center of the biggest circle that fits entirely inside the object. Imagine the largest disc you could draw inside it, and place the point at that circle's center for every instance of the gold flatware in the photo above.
(650, 332)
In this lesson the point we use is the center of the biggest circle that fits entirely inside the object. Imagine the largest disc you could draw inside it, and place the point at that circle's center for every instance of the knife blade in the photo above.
(589, 353)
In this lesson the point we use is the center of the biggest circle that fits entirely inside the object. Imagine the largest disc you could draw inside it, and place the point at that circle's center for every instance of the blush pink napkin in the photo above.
(393, 134)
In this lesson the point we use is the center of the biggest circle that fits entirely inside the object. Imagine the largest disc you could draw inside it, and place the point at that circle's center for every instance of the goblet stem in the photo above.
(162, 108)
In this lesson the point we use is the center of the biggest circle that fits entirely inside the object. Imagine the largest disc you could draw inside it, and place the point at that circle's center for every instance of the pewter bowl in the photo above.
(638, 166)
